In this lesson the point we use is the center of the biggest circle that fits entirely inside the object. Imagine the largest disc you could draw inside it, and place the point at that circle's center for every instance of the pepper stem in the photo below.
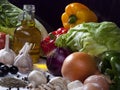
(52, 36)
(72, 19)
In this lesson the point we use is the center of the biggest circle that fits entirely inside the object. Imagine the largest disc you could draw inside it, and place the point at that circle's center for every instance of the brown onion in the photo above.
(98, 79)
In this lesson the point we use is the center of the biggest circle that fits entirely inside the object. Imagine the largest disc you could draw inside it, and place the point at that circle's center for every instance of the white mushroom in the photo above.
(37, 77)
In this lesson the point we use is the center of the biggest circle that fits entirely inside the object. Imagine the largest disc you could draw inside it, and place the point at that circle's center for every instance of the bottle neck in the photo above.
(28, 19)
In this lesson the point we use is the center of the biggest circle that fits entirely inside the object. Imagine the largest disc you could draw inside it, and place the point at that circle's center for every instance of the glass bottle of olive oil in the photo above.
(27, 32)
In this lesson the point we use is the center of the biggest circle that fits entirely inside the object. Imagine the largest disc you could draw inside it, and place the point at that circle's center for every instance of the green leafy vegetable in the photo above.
(92, 38)
(9, 16)
(110, 66)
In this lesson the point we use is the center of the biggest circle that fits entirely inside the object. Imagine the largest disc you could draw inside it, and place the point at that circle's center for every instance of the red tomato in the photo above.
(2, 40)
(78, 66)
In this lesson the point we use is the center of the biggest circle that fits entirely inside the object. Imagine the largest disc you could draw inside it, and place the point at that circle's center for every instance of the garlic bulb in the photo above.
(56, 83)
(23, 60)
(22, 50)
(74, 85)
(59, 82)
(7, 55)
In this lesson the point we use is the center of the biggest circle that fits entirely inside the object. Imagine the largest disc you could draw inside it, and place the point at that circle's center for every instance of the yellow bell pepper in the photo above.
(76, 13)
(40, 66)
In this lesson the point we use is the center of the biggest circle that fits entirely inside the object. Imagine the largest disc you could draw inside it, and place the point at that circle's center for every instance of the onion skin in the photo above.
(98, 79)
(92, 86)
(78, 66)
(55, 60)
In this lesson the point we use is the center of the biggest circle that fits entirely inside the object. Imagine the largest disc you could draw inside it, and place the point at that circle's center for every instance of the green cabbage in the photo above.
(9, 15)
(92, 38)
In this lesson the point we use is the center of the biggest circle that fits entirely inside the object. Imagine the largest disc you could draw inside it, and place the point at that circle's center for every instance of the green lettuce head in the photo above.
(92, 38)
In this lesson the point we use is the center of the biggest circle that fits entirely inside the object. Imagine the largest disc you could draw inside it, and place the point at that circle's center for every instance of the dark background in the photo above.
(49, 11)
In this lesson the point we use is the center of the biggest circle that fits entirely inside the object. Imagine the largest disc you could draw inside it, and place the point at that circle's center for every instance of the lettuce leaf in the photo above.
(92, 38)
(9, 18)
(8, 14)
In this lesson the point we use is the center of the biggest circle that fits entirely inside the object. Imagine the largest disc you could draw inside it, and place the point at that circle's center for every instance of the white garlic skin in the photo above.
(7, 57)
(24, 63)
(36, 78)
(59, 82)
(23, 60)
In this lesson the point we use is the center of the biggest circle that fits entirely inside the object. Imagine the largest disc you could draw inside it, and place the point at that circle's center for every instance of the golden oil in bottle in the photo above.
(27, 32)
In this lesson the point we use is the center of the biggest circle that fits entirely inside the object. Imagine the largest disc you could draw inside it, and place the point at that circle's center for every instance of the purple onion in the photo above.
(55, 60)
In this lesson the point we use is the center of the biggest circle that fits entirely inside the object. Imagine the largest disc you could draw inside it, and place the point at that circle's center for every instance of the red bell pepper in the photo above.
(47, 44)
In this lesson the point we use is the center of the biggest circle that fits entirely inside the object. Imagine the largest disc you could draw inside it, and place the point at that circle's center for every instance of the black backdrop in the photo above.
(50, 11)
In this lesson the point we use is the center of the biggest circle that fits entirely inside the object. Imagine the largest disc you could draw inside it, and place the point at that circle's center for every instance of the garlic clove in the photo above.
(23, 48)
